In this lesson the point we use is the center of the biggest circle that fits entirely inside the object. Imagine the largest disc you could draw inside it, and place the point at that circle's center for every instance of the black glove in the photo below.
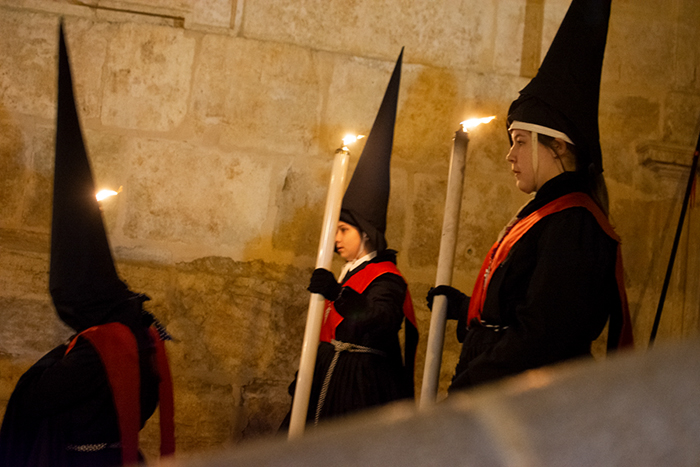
(455, 300)
(323, 282)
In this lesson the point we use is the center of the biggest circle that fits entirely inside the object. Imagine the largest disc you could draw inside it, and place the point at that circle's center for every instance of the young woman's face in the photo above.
(347, 241)
(520, 158)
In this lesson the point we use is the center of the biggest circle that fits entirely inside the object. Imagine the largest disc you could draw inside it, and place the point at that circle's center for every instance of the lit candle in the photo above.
(314, 317)
(445, 266)
(104, 194)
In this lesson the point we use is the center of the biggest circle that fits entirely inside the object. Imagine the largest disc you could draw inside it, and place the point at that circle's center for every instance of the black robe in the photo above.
(551, 297)
(64, 401)
(371, 319)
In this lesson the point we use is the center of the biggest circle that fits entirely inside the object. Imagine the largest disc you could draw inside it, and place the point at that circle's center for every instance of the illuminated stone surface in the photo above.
(219, 119)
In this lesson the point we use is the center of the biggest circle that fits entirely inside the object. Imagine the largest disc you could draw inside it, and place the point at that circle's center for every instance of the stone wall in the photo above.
(219, 119)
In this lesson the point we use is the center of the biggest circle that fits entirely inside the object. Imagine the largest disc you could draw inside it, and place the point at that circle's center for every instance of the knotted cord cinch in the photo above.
(339, 347)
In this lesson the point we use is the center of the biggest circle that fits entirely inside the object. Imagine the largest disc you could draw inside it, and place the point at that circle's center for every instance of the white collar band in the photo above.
(543, 130)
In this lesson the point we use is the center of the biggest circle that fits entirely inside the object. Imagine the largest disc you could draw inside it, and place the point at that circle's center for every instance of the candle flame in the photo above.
(475, 122)
(104, 194)
(349, 139)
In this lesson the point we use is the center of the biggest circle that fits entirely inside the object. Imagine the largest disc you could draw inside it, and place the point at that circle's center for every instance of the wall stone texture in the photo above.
(219, 120)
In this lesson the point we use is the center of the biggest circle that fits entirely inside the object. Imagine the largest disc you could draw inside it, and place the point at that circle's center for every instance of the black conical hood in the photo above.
(565, 93)
(83, 281)
(367, 197)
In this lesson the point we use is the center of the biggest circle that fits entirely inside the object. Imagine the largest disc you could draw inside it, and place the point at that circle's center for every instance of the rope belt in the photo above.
(92, 447)
(339, 347)
(494, 327)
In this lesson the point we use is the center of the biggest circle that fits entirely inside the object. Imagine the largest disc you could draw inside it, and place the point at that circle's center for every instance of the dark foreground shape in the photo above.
(636, 409)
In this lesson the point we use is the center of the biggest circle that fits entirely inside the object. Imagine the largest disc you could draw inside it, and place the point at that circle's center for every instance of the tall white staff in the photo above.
(448, 243)
(314, 317)
(378, 145)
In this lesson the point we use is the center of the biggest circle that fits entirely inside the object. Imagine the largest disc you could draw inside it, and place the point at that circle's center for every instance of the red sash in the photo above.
(499, 252)
(117, 348)
(359, 282)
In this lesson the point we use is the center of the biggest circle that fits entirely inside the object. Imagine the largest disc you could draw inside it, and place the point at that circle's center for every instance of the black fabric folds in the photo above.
(367, 197)
(564, 95)
(83, 280)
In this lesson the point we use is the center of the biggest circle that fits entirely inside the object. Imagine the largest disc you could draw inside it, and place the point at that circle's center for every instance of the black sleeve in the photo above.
(462, 320)
(380, 306)
(60, 381)
(564, 307)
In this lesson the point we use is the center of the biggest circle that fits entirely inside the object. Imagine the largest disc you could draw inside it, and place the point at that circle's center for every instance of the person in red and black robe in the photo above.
(84, 402)
(359, 362)
(62, 410)
(554, 276)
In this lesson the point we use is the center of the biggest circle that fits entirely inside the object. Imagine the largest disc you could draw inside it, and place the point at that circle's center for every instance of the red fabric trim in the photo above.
(476, 303)
(166, 400)
(116, 346)
(359, 282)
(499, 252)
(331, 320)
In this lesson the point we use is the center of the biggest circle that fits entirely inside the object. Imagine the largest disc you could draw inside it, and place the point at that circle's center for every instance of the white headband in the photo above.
(543, 130)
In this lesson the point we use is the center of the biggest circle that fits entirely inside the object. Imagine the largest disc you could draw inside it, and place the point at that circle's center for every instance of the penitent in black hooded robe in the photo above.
(63, 411)
(554, 277)
(359, 363)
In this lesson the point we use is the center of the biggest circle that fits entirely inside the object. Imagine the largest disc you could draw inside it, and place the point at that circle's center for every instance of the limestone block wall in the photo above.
(219, 119)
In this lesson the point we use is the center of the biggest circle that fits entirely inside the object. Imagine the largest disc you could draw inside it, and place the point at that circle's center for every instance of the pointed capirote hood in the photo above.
(367, 197)
(564, 94)
(83, 281)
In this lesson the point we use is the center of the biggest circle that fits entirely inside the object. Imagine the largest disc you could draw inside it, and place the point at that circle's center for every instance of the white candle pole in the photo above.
(314, 317)
(448, 243)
